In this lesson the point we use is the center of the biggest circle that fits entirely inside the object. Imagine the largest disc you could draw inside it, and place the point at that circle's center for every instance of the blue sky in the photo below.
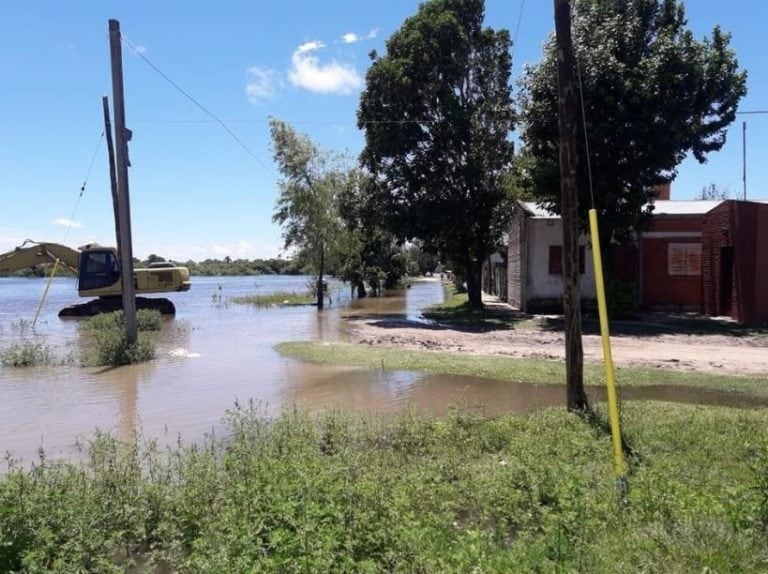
(195, 193)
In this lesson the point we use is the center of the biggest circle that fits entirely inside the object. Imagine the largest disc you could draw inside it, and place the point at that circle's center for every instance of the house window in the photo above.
(684, 259)
(556, 259)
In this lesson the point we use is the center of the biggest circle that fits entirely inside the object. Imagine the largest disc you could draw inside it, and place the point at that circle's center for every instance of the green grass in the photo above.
(413, 493)
(526, 370)
(280, 299)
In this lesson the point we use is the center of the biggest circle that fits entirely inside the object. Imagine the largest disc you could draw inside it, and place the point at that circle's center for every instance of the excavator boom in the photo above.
(30, 254)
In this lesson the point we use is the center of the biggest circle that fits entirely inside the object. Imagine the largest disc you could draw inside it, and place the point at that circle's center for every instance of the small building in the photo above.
(735, 261)
(701, 256)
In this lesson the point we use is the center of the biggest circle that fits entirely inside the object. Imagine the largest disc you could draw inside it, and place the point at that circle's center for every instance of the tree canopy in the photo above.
(652, 95)
(307, 207)
(437, 114)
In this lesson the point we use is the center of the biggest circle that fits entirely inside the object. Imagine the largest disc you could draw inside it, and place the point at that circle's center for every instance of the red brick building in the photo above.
(702, 256)
(735, 261)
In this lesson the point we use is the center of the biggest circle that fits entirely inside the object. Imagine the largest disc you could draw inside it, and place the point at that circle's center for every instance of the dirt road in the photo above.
(707, 353)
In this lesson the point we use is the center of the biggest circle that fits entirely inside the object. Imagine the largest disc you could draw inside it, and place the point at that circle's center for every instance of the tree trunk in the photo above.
(569, 132)
(361, 294)
(321, 270)
(475, 284)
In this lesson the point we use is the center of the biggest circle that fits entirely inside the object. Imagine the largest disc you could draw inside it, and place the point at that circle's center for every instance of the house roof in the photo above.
(668, 207)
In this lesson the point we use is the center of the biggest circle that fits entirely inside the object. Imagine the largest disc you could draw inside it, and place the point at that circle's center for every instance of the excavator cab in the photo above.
(98, 269)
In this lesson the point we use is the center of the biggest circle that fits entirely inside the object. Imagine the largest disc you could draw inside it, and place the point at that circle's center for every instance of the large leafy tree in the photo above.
(437, 114)
(652, 95)
(371, 253)
(307, 207)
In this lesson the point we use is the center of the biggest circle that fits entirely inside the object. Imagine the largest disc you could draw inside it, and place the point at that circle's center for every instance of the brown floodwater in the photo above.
(214, 353)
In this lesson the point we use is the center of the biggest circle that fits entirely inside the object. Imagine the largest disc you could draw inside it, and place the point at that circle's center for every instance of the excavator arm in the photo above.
(31, 253)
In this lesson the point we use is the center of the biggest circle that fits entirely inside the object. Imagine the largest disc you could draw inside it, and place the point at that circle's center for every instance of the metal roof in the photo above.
(669, 207)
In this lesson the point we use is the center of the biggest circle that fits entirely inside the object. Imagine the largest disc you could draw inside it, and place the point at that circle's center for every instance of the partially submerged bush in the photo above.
(27, 354)
(112, 349)
(111, 345)
(146, 320)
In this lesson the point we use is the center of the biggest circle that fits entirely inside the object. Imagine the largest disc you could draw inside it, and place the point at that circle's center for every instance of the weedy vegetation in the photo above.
(111, 347)
(27, 353)
(411, 493)
(279, 299)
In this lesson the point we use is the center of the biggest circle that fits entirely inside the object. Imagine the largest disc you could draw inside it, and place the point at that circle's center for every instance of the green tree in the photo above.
(652, 94)
(372, 253)
(437, 114)
(307, 205)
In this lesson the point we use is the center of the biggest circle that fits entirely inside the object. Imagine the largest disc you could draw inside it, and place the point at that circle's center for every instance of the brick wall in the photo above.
(740, 225)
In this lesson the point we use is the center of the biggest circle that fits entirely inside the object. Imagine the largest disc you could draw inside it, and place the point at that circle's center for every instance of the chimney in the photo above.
(662, 190)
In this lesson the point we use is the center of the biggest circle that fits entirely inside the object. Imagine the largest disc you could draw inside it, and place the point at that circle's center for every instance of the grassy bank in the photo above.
(411, 494)
(508, 369)
(279, 299)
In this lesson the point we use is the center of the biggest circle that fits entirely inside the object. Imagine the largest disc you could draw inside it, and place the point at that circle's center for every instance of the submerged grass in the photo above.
(279, 299)
(527, 370)
(414, 493)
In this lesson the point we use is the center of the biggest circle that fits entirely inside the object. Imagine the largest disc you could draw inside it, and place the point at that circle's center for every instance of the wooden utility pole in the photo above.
(569, 132)
(122, 137)
(112, 173)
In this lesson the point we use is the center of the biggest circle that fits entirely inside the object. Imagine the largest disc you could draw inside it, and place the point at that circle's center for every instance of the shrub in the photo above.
(146, 320)
(111, 346)
(27, 354)
(622, 300)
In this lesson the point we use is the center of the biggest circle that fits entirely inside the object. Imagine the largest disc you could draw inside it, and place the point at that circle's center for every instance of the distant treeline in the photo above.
(228, 266)
(209, 267)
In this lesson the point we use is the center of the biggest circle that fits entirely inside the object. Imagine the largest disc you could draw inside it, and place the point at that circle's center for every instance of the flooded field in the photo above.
(214, 353)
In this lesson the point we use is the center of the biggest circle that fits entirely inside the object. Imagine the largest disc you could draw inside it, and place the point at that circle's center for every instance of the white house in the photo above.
(535, 260)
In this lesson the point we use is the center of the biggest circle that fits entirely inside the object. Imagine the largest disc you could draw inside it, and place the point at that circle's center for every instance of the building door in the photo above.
(726, 280)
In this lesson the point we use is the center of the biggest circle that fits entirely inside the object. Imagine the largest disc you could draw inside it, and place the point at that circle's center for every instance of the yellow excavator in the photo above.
(98, 275)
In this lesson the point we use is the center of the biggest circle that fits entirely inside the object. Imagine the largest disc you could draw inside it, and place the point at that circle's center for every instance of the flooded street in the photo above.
(214, 353)
(210, 355)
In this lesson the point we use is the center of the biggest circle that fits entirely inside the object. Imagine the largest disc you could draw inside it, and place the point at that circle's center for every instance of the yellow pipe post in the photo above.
(610, 382)
(45, 293)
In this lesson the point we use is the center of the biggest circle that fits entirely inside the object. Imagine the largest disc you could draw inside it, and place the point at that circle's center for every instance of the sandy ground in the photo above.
(707, 353)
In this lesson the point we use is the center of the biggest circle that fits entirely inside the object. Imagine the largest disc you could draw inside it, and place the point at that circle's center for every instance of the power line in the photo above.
(71, 220)
(517, 32)
(502, 118)
(197, 103)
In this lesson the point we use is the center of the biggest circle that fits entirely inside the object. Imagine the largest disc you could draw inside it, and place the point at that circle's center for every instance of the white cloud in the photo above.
(351, 37)
(262, 84)
(140, 48)
(326, 78)
(64, 222)
(309, 47)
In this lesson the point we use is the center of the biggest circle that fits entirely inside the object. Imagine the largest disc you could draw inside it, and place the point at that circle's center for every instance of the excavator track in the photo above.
(110, 304)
